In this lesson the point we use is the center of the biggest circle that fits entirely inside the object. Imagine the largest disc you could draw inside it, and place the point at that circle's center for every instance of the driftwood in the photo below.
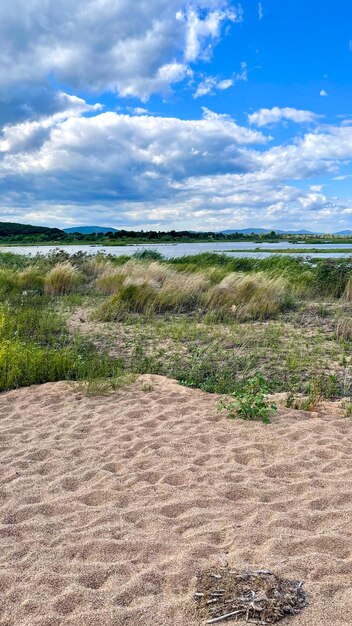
(257, 597)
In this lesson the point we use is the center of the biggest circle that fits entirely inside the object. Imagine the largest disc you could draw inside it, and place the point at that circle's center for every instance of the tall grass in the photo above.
(250, 296)
(35, 346)
(150, 288)
(26, 363)
(158, 288)
(62, 279)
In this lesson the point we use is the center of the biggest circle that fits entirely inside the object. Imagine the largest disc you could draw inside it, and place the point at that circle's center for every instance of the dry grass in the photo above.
(348, 290)
(250, 296)
(344, 329)
(98, 266)
(161, 288)
(62, 279)
(258, 597)
(150, 288)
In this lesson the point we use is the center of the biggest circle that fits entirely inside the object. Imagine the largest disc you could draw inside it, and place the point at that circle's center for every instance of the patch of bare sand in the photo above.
(109, 506)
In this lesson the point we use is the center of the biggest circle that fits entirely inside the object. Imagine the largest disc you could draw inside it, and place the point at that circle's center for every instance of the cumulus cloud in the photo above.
(263, 117)
(260, 11)
(146, 171)
(97, 46)
(323, 93)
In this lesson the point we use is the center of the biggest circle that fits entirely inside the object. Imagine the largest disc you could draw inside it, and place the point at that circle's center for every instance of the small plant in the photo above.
(249, 402)
(96, 387)
(348, 407)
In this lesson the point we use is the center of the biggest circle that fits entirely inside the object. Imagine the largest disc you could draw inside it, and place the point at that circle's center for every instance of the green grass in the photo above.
(210, 321)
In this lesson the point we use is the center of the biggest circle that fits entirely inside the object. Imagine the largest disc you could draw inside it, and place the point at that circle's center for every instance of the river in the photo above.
(181, 249)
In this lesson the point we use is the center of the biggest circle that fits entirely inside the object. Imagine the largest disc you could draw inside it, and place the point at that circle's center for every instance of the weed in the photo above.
(96, 387)
(348, 408)
(250, 401)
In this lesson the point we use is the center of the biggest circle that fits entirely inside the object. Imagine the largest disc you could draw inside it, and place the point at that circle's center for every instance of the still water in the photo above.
(181, 249)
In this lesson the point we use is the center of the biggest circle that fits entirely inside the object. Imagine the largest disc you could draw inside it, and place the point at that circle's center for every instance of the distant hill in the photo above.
(11, 229)
(264, 231)
(89, 230)
(344, 232)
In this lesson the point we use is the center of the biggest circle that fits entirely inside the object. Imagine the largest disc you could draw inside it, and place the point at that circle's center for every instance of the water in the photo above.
(170, 250)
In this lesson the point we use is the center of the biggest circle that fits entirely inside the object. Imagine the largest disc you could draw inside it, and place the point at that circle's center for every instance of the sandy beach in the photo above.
(110, 505)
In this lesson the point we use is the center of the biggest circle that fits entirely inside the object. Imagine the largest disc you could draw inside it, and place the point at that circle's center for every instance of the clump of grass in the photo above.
(347, 405)
(31, 279)
(181, 294)
(250, 296)
(105, 386)
(344, 329)
(96, 267)
(348, 290)
(150, 288)
(29, 318)
(129, 299)
(109, 283)
(62, 279)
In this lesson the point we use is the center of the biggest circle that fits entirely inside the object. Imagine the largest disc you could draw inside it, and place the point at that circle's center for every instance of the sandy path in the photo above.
(108, 506)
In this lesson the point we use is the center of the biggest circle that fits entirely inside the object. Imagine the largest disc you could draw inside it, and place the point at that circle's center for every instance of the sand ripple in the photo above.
(109, 506)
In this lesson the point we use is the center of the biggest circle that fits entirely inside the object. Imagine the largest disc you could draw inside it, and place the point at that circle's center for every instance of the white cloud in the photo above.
(323, 93)
(100, 45)
(210, 84)
(144, 171)
(200, 30)
(275, 115)
(260, 11)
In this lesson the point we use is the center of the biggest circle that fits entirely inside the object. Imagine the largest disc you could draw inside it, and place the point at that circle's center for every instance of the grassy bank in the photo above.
(209, 320)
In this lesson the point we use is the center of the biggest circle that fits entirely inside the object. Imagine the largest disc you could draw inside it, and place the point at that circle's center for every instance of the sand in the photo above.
(109, 506)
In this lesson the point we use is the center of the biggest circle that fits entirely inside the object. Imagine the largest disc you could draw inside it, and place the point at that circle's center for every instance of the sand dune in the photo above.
(109, 506)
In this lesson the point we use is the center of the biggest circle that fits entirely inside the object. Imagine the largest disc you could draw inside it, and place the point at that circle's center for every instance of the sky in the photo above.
(176, 114)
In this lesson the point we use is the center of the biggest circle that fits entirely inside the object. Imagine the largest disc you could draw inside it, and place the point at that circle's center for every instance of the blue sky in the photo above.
(202, 114)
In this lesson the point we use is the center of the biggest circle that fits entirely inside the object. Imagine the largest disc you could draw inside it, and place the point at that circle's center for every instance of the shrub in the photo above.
(62, 279)
(148, 255)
